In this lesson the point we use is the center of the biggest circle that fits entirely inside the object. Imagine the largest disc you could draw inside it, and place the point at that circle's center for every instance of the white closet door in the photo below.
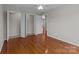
(23, 27)
(38, 24)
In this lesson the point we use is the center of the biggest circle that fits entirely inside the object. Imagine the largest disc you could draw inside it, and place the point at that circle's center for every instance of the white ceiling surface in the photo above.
(30, 7)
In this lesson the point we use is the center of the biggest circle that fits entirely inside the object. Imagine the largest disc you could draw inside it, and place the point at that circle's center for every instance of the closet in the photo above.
(13, 24)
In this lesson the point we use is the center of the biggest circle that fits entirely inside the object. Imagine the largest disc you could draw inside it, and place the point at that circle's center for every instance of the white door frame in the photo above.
(7, 25)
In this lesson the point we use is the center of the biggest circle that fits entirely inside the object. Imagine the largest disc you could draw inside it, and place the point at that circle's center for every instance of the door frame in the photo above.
(8, 25)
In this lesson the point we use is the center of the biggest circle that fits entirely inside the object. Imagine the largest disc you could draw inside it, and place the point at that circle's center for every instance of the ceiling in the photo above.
(31, 7)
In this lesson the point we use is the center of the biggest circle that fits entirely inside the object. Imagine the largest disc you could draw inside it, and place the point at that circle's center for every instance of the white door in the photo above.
(38, 24)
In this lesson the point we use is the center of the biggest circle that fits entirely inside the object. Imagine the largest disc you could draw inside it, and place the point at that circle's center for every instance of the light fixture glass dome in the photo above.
(40, 7)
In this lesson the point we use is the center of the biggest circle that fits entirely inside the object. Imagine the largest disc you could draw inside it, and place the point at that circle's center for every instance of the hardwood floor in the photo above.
(34, 45)
(4, 48)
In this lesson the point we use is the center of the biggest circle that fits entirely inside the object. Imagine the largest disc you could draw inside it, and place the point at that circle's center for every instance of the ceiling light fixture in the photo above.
(40, 7)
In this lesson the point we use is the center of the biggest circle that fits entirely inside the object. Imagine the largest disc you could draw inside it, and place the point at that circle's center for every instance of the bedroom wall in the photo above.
(63, 23)
(1, 27)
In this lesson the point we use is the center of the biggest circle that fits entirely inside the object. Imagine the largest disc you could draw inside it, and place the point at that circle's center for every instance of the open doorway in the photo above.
(30, 25)
(13, 24)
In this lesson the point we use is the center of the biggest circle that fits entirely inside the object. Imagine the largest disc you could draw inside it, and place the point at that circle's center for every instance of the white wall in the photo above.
(63, 23)
(19, 8)
(1, 28)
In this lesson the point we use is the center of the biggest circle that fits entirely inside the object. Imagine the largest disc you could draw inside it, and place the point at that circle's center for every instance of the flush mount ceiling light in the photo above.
(40, 7)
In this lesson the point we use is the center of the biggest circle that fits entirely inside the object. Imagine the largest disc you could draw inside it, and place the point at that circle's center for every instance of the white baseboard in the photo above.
(14, 36)
(39, 34)
(30, 34)
(64, 40)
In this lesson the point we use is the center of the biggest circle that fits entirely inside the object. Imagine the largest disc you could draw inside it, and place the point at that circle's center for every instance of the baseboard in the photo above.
(30, 34)
(14, 36)
(33, 34)
(64, 40)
